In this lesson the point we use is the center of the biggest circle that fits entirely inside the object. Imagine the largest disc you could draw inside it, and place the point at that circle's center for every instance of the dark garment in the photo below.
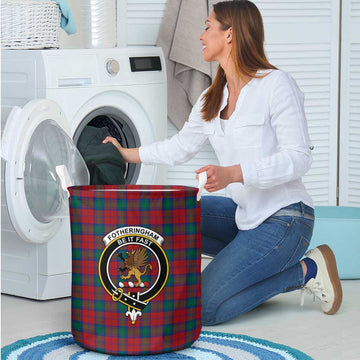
(104, 161)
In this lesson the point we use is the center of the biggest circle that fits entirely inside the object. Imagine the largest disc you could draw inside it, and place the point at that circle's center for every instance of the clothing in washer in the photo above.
(105, 164)
(267, 134)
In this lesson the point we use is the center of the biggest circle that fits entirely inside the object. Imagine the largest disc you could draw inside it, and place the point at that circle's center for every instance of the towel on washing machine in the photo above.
(105, 163)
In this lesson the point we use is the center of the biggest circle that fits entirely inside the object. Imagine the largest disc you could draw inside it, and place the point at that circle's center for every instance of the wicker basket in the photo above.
(27, 24)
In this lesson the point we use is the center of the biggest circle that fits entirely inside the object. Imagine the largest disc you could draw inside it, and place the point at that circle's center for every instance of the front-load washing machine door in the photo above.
(40, 162)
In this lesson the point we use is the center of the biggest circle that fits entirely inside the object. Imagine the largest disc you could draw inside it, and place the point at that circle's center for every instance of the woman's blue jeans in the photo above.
(249, 266)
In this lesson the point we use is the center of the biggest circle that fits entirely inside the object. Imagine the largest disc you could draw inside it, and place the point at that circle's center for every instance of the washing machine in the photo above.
(49, 98)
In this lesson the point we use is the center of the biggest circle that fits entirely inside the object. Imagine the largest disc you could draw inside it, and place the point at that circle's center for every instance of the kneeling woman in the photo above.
(253, 116)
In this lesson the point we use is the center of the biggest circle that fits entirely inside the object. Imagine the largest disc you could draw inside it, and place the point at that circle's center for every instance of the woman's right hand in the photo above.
(113, 141)
(129, 155)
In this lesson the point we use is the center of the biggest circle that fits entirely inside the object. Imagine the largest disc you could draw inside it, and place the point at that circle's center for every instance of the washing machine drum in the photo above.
(41, 161)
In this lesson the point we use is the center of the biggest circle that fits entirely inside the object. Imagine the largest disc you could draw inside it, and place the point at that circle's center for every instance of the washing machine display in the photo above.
(50, 99)
(152, 63)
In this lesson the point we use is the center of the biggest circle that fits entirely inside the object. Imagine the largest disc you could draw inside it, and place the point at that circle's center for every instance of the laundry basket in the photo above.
(136, 268)
(27, 24)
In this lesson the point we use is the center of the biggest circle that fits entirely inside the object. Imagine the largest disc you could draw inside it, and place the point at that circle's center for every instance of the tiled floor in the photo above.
(280, 320)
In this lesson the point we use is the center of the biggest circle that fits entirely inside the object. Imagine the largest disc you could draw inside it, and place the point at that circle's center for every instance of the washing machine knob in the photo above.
(112, 67)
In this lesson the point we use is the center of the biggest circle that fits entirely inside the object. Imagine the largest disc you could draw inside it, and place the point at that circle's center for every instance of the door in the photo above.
(349, 146)
(41, 160)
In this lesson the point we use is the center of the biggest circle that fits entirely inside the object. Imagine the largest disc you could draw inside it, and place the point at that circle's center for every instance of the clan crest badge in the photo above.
(133, 267)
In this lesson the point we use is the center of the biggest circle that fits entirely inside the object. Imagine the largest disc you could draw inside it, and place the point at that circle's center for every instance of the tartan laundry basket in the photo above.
(136, 260)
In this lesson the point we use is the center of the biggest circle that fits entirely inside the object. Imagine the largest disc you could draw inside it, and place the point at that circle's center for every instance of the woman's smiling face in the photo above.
(214, 39)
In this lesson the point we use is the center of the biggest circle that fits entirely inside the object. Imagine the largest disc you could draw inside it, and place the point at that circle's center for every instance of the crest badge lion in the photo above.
(133, 267)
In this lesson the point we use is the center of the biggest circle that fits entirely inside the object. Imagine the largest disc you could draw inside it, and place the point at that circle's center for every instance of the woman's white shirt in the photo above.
(266, 134)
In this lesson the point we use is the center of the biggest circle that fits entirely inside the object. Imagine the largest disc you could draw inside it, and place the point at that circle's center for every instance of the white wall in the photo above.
(142, 22)
(76, 40)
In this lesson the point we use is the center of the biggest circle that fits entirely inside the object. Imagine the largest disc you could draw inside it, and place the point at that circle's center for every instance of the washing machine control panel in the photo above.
(112, 67)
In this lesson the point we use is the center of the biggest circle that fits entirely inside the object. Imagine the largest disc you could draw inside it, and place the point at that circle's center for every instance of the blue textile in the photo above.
(67, 17)
(211, 346)
(311, 269)
(249, 266)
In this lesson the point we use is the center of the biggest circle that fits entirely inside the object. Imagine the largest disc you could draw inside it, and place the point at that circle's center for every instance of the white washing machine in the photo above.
(48, 99)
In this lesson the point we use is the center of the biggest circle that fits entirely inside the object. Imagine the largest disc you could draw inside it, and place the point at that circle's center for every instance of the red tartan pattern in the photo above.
(172, 319)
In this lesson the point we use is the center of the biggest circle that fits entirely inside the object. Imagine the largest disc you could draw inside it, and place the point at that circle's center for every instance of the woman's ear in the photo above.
(228, 35)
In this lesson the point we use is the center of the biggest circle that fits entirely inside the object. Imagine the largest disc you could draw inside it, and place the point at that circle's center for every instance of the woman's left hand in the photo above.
(218, 177)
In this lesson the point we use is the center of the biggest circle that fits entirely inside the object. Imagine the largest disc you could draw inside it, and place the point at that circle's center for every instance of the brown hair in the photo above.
(247, 50)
